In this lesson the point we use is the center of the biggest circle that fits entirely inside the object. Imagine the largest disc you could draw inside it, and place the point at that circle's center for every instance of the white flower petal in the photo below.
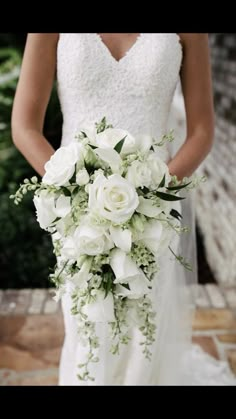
(147, 207)
(102, 309)
(121, 238)
(111, 136)
(111, 157)
(63, 206)
(45, 210)
(144, 142)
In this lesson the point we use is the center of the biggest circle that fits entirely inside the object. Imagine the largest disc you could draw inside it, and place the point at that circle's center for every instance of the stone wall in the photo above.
(217, 197)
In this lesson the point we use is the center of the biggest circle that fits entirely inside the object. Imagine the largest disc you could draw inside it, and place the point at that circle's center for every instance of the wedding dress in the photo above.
(134, 93)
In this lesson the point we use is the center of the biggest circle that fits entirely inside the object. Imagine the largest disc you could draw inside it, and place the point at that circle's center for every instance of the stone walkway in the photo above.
(31, 332)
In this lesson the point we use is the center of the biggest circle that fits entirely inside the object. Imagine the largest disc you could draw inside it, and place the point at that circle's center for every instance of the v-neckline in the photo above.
(127, 53)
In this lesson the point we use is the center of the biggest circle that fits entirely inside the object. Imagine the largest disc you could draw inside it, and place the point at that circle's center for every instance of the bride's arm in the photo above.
(197, 91)
(31, 99)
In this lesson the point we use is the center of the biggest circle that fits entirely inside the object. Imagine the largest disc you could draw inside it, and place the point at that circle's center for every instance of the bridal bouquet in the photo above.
(109, 202)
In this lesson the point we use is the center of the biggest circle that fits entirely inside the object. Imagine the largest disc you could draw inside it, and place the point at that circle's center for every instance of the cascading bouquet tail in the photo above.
(111, 206)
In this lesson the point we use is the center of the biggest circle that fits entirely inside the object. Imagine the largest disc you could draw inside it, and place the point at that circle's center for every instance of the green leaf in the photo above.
(162, 183)
(176, 188)
(175, 214)
(66, 191)
(89, 167)
(119, 145)
(145, 190)
(108, 284)
(126, 286)
(168, 197)
(75, 191)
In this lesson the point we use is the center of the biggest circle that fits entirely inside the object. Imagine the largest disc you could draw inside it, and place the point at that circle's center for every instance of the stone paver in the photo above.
(30, 343)
(232, 359)
(32, 378)
(22, 360)
(227, 338)
(230, 295)
(207, 345)
(215, 296)
(51, 306)
(214, 319)
(8, 303)
(23, 301)
(37, 299)
(37, 332)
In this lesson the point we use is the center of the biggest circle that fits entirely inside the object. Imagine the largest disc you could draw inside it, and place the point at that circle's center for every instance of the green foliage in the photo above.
(25, 250)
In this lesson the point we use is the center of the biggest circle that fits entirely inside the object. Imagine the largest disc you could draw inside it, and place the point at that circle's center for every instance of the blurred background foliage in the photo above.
(25, 250)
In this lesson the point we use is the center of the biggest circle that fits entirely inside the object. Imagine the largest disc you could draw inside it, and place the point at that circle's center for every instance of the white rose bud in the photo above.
(82, 177)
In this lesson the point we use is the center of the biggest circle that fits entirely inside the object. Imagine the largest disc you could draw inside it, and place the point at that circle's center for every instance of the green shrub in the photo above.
(25, 250)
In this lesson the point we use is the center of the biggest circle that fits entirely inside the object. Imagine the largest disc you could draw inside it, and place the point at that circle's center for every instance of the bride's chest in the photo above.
(85, 63)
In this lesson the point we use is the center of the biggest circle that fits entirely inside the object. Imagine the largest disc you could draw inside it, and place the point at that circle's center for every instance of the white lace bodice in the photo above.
(134, 93)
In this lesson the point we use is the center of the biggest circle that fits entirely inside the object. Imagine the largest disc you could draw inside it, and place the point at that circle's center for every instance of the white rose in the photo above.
(92, 240)
(102, 309)
(112, 136)
(82, 177)
(139, 174)
(61, 166)
(114, 198)
(48, 208)
(127, 272)
(158, 168)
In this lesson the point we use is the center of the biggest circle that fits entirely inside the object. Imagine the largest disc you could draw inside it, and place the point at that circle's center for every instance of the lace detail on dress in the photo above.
(134, 93)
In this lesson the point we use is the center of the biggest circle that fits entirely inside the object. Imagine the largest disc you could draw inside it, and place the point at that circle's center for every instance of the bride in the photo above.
(130, 78)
